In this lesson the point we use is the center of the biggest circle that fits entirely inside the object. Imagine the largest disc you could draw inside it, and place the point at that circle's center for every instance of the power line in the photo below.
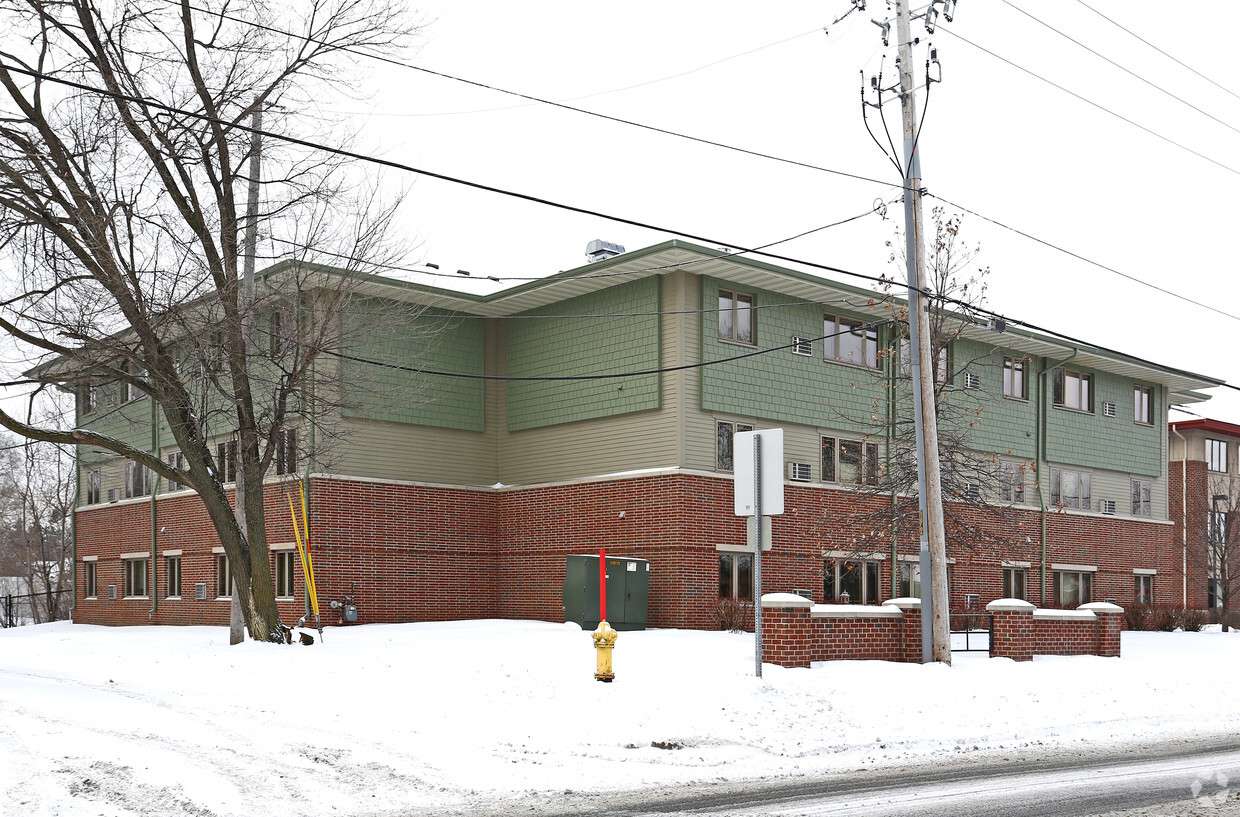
(1089, 261)
(1159, 50)
(552, 103)
(1091, 103)
(1112, 62)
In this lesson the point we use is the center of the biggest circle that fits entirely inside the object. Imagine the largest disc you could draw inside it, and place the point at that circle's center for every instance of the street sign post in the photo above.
(757, 462)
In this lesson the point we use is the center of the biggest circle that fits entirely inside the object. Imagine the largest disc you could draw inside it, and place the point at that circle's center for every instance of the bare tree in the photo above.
(1214, 538)
(123, 169)
(980, 490)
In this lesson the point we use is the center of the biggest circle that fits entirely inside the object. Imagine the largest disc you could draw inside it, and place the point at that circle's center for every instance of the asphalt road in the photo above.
(1188, 778)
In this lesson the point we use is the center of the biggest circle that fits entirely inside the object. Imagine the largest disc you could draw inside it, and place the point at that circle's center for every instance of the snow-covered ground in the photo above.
(422, 717)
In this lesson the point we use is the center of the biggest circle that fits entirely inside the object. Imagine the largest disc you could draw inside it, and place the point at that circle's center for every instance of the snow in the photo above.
(423, 718)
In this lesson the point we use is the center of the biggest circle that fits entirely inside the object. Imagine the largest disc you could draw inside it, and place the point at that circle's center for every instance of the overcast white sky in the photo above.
(996, 140)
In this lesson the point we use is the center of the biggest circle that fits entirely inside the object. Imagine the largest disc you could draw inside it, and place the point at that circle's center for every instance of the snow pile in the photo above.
(390, 718)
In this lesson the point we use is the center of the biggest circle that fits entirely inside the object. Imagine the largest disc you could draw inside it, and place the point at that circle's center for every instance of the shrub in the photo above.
(1138, 616)
(735, 615)
(1192, 620)
(1165, 619)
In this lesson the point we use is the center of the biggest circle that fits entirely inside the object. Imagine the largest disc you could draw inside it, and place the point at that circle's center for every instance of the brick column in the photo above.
(1110, 621)
(785, 629)
(910, 628)
(1013, 630)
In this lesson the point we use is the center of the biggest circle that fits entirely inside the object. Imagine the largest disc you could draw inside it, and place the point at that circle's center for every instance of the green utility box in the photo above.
(628, 586)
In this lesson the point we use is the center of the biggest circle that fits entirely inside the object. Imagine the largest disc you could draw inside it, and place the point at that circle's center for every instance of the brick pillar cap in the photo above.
(1102, 607)
(785, 600)
(905, 603)
(1009, 606)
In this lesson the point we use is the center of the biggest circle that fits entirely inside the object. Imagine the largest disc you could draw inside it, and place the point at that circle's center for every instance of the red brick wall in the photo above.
(1056, 637)
(1197, 494)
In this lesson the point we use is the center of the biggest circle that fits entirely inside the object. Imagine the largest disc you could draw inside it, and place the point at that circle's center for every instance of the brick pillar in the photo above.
(1013, 630)
(910, 628)
(785, 629)
(1110, 621)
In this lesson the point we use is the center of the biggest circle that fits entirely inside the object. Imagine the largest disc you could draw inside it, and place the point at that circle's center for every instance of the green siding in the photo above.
(1093, 440)
(589, 345)
(781, 386)
(432, 340)
(1005, 426)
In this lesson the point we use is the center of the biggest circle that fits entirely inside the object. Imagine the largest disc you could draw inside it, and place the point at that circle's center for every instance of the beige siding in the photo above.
(398, 451)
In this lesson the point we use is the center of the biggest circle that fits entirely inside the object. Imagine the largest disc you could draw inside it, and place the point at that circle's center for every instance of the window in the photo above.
(284, 573)
(1013, 582)
(910, 580)
(129, 391)
(172, 571)
(135, 576)
(849, 461)
(137, 480)
(283, 332)
(1141, 497)
(223, 577)
(226, 460)
(94, 479)
(176, 461)
(1071, 588)
(1070, 488)
(1014, 379)
(1012, 483)
(91, 578)
(1142, 405)
(286, 451)
(1216, 455)
(1073, 390)
(736, 317)
(736, 576)
(850, 341)
(1143, 589)
(725, 433)
(90, 399)
(856, 579)
(1218, 527)
(906, 361)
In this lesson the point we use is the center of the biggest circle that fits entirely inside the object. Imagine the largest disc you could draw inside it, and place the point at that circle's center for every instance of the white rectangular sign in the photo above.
(743, 468)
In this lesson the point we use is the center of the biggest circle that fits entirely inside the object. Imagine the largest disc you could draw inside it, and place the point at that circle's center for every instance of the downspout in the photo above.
(77, 459)
(154, 588)
(893, 366)
(309, 414)
(1183, 514)
(1043, 419)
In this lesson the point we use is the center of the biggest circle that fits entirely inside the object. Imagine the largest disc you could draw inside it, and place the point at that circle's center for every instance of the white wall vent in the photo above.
(1107, 506)
(111, 495)
(972, 381)
(112, 592)
(802, 346)
(200, 591)
(1108, 408)
(799, 471)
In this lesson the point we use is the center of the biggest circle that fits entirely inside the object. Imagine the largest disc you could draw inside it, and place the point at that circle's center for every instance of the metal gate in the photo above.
(971, 632)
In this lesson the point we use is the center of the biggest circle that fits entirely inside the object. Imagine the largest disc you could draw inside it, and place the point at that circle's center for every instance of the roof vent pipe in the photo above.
(598, 250)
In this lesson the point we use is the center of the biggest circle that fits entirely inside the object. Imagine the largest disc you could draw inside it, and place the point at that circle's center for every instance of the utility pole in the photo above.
(935, 629)
(235, 631)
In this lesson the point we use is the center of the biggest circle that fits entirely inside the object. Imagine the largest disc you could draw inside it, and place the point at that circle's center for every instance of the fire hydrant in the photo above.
(604, 641)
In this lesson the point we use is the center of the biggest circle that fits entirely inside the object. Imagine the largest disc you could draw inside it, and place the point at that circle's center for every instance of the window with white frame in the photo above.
(286, 451)
(90, 578)
(849, 340)
(1072, 588)
(736, 576)
(94, 482)
(223, 577)
(909, 580)
(1014, 378)
(906, 361)
(135, 573)
(1143, 589)
(90, 399)
(1143, 405)
(1141, 505)
(1216, 455)
(1012, 482)
(854, 580)
(736, 317)
(226, 460)
(284, 573)
(1073, 390)
(852, 462)
(176, 461)
(130, 391)
(725, 437)
(1070, 489)
(172, 575)
(1014, 582)
(137, 480)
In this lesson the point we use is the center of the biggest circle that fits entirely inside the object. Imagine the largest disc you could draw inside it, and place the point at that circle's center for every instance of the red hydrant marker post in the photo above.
(604, 636)
(602, 584)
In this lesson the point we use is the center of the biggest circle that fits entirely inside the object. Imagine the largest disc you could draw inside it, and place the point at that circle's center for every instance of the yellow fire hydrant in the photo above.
(604, 641)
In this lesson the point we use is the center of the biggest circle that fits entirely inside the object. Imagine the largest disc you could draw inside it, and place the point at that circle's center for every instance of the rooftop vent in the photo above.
(599, 250)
